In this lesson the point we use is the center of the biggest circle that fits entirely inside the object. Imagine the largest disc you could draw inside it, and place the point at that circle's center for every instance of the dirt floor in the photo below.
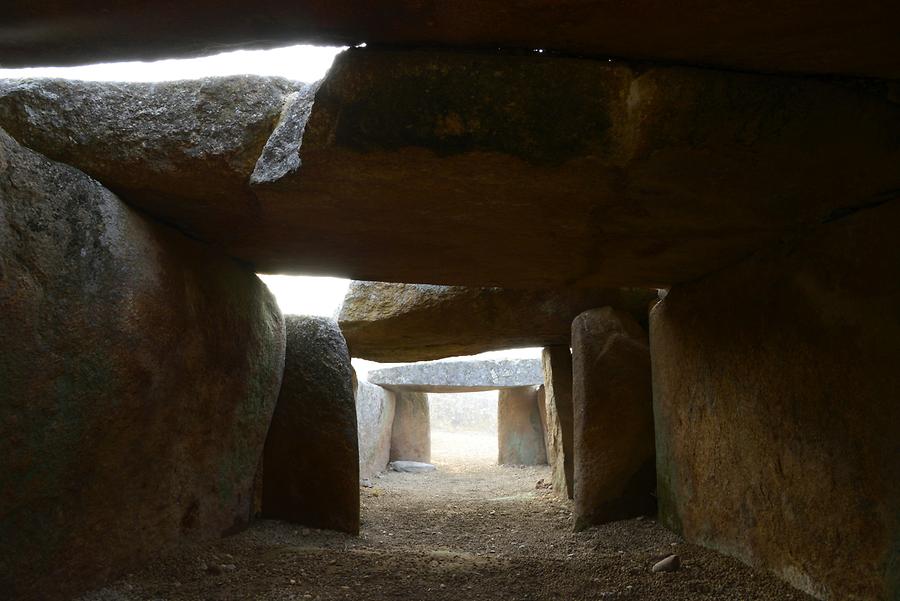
(471, 530)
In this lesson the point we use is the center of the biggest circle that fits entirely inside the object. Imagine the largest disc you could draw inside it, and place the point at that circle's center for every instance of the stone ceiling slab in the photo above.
(804, 36)
(460, 375)
(478, 169)
(417, 322)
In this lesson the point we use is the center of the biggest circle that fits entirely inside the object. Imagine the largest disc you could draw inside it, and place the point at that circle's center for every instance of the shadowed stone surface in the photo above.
(542, 411)
(417, 322)
(520, 434)
(138, 375)
(311, 462)
(460, 375)
(557, 365)
(775, 392)
(820, 37)
(642, 176)
(411, 432)
(613, 418)
(375, 408)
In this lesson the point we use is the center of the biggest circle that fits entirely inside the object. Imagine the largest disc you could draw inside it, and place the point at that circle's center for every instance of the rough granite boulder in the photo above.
(776, 389)
(138, 376)
(520, 431)
(389, 322)
(539, 171)
(557, 364)
(858, 38)
(613, 418)
(411, 431)
(455, 375)
(375, 408)
(184, 151)
(311, 461)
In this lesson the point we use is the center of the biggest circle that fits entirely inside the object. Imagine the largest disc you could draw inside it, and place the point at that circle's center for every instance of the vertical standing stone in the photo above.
(776, 391)
(311, 460)
(411, 434)
(557, 362)
(375, 407)
(138, 374)
(542, 412)
(614, 454)
(520, 435)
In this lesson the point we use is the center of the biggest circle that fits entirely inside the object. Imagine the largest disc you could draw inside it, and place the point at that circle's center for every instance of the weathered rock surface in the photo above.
(418, 322)
(775, 396)
(375, 408)
(412, 467)
(520, 434)
(452, 375)
(184, 151)
(138, 374)
(411, 431)
(311, 461)
(613, 418)
(557, 365)
(538, 171)
(765, 35)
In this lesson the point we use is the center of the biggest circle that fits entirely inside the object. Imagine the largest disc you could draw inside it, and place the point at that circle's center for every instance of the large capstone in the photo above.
(455, 375)
(138, 376)
(417, 322)
(311, 461)
(613, 418)
(483, 169)
(775, 395)
(182, 151)
(857, 38)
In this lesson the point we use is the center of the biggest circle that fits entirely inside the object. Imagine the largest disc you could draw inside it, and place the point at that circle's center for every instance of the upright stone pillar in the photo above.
(311, 459)
(520, 435)
(411, 434)
(613, 417)
(542, 412)
(138, 373)
(557, 362)
(375, 408)
(777, 421)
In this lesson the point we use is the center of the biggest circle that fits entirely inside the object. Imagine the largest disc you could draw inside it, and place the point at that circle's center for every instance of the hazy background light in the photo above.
(303, 63)
(307, 295)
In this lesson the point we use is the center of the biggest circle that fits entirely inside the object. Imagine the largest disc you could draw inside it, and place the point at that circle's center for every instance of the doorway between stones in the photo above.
(463, 430)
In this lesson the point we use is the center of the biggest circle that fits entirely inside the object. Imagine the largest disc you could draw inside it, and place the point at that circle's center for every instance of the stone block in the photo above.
(375, 408)
(613, 418)
(520, 434)
(311, 461)
(557, 364)
(138, 374)
(775, 396)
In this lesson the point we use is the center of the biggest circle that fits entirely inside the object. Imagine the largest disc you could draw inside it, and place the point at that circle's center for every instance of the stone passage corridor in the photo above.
(471, 530)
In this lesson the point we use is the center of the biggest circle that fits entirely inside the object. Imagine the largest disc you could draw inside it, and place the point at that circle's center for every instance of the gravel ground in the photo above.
(471, 530)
